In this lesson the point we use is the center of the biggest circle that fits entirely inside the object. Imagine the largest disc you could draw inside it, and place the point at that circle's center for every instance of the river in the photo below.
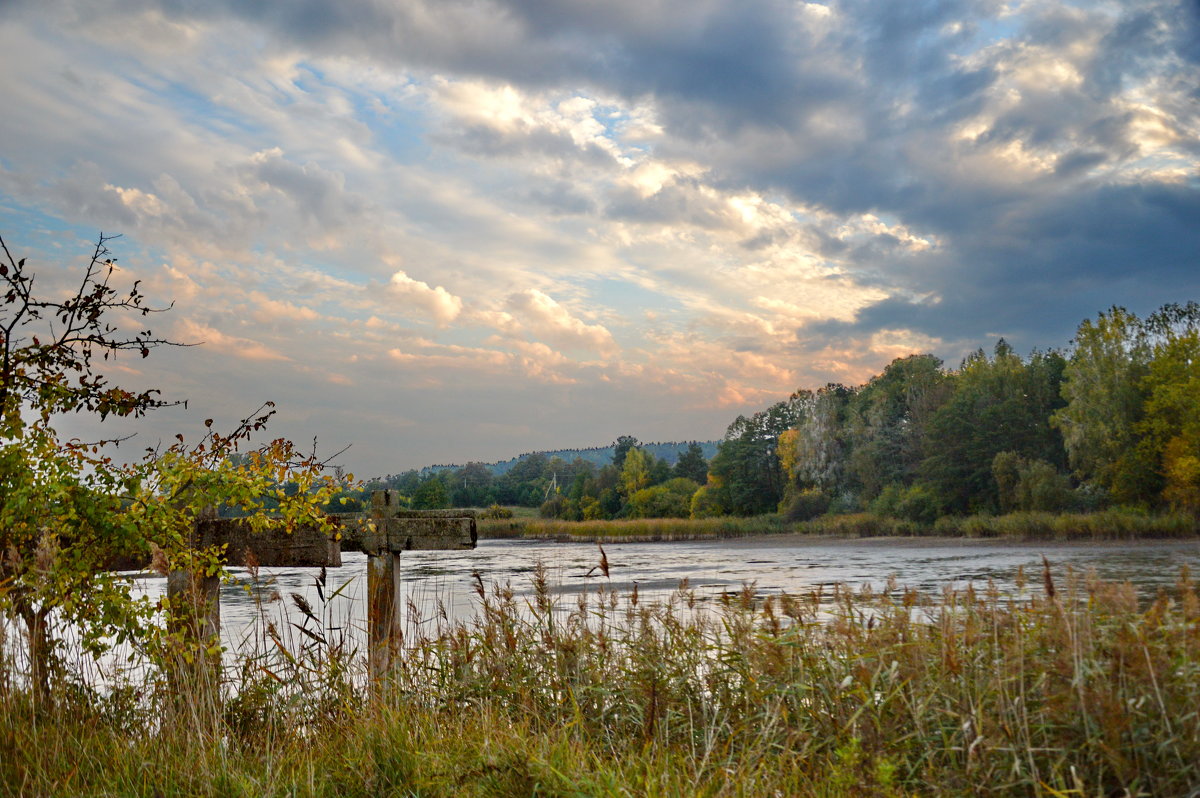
(442, 582)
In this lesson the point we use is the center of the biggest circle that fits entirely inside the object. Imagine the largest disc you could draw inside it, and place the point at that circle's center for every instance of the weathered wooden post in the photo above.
(391, 530)
(194, 620)
(194, 598)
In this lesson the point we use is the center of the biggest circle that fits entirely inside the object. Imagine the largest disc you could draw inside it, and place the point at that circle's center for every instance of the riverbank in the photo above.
(632, 530)
(875, 695)
(1106, 525)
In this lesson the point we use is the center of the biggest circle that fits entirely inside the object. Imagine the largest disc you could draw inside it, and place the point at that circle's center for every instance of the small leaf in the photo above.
(208, 422)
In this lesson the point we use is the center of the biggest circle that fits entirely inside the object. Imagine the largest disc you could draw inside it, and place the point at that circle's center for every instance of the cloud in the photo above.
(443, 306)
(201, 335)
(656, 205)
(545, 318)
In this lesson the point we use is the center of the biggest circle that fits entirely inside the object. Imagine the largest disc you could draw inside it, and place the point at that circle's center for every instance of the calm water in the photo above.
(443, 583)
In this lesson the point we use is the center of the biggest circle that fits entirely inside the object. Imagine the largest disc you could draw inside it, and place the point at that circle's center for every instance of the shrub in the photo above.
(805, 505)
(671, 499)
(916, 503)
(706, 503)
(552, 507)
(496, 511)
(1030, 485)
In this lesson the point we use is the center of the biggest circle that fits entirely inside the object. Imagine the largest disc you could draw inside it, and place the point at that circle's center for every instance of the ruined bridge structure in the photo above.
(383, 534)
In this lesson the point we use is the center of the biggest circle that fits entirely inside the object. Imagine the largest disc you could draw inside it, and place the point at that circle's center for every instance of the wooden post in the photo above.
(383, 592)
(194, 622)
(383, 614)
(195, 617)
(391, 530)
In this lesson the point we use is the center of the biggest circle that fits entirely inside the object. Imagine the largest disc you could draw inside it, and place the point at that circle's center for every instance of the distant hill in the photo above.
(599, 455)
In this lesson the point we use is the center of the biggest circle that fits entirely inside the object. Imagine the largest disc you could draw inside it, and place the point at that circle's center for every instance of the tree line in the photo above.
(635, 483)
(1114, 421)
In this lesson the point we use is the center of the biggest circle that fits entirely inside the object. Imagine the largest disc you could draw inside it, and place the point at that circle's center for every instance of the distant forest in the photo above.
(1112, 422)
(596, 455)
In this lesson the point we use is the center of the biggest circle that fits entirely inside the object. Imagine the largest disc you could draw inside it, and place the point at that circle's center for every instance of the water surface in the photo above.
(442, 583)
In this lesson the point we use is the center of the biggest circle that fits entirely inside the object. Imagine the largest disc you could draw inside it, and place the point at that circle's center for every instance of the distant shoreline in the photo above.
(1108, 525)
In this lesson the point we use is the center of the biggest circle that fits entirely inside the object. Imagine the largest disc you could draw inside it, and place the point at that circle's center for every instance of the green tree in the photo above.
(1103, 386)
(670, 499)
(745, 476)
(1025, 485)
(635, 472)
(471, 486)
(525, 483)
(431, 494)
(1169, 430)
(692, 464)
(999, 404)
(886, 422)
(621, 447)
(66, 508)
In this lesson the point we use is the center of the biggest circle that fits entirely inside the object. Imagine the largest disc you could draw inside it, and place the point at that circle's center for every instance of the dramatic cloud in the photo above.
(458, 229)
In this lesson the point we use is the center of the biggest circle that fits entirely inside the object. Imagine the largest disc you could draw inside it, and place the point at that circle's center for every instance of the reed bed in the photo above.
(1105, 525)
(1073, 688)
(633, 530)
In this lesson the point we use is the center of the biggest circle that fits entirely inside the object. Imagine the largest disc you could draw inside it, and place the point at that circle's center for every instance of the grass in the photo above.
(1067, 689)
(1106, 525)
(632, 530)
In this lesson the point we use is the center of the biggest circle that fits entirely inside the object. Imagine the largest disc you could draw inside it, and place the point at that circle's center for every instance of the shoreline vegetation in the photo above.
(1063, 686)
(1103, 525)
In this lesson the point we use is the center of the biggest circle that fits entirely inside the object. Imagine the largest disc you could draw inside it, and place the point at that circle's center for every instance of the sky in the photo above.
(450, 230)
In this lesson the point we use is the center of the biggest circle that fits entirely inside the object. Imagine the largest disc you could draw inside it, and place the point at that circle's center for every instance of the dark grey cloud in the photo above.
(1049, 267)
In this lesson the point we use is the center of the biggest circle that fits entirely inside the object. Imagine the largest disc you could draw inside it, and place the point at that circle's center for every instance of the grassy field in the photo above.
(1108, 525)
(1053, 689)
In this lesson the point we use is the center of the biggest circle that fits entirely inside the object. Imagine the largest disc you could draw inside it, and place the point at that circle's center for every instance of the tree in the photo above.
(812, 456)
(999, 404)
(745, 475)
(1104, 393)
(67, 507)
(818, 452)
(621, 448)
(525, 483)
(1027, 485)
(692, 465)
(60, 501)
(635, 473)
(886, 422)
(671, 499)
(471, 486)
(1169, 430)
(431, 495)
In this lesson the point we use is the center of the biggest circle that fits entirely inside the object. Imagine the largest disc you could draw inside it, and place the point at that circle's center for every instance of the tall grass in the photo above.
(1106, 525)
(1073, 689)
(632, 530)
